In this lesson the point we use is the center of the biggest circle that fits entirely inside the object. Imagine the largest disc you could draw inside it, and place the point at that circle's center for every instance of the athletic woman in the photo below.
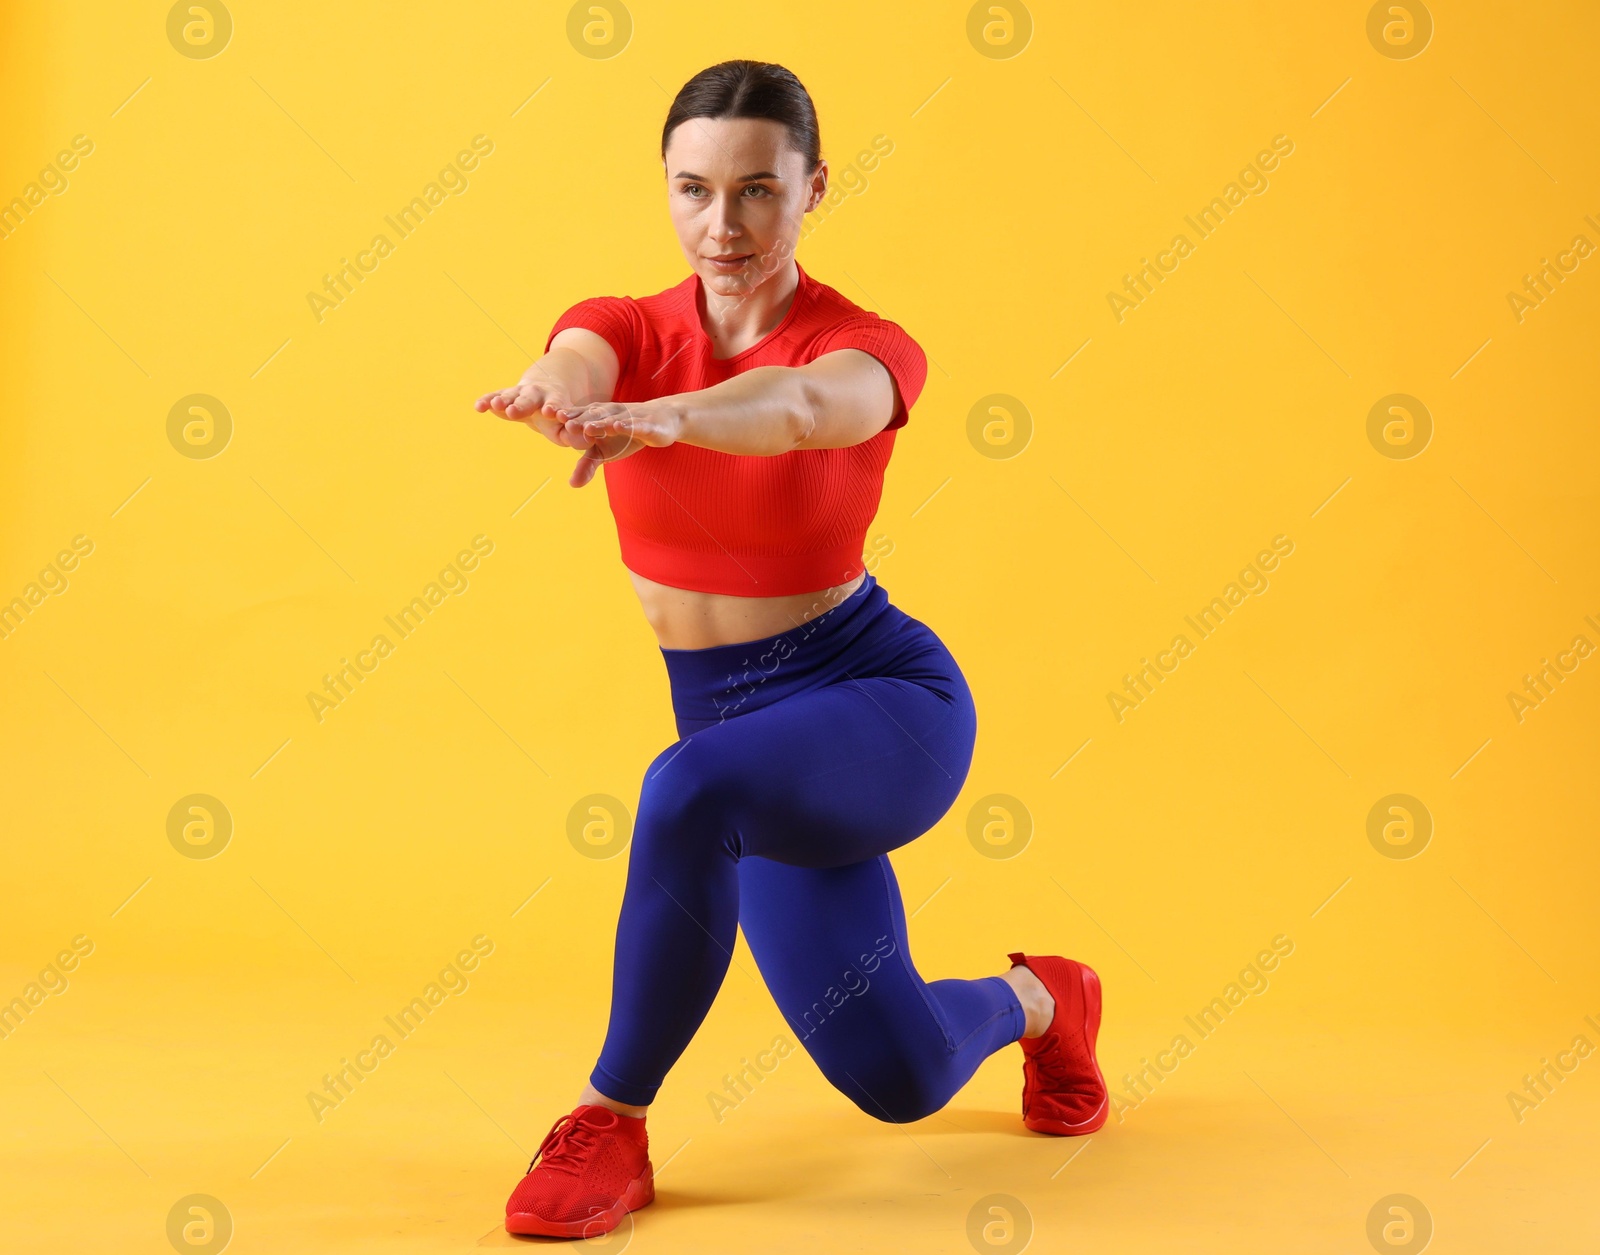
(744, 418)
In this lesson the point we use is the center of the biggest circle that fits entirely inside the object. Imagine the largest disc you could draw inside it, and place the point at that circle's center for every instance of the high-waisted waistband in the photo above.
(710, 685)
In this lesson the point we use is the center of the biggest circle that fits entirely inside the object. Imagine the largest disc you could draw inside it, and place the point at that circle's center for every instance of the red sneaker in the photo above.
(595, 1169)
(1063, 1091)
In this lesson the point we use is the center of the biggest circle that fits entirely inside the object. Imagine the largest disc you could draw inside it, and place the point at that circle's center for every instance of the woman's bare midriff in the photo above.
(685, 619)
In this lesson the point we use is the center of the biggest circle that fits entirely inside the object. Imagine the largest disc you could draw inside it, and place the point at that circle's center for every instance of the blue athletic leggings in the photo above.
(802, 759)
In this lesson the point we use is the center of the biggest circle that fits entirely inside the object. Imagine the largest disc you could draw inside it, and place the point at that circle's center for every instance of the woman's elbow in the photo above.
(804, 415)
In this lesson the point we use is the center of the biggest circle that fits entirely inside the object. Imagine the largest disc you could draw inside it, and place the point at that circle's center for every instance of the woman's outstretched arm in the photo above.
(840, 399)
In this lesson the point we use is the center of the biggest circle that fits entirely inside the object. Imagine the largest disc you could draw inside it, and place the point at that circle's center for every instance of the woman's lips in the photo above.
(730, 263)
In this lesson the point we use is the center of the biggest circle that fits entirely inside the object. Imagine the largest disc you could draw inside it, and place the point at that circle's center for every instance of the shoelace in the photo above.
(1050, 1062)
(565, 1143)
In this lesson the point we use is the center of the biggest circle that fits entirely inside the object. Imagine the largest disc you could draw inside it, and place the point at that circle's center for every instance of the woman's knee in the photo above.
(887, 1083)
(689, 799)
(897, 1098)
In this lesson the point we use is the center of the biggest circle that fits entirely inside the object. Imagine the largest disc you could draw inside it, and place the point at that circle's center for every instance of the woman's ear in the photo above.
(819, 186)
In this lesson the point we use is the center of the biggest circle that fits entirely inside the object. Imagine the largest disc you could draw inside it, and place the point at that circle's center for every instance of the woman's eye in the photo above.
(756, 187)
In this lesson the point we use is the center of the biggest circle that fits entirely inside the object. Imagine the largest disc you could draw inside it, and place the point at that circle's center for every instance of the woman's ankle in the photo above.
(594, 1097)
(1038, 1007)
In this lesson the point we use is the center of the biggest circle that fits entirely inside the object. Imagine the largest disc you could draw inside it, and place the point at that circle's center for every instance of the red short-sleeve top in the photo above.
(743, 524)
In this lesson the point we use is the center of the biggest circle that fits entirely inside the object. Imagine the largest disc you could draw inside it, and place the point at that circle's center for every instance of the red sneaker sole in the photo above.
(1091, 1030)
(641, 1191)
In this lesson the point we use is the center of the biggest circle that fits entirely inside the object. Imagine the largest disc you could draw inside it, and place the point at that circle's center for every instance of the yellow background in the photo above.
(1230, 407)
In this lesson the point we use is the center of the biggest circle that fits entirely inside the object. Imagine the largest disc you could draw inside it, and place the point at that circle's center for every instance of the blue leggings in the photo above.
(802, 759)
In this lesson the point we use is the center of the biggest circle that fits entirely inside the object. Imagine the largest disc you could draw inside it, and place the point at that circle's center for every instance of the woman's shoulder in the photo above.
(629, 322)
(831, 310)
(837, 322)
(668, 301)
(655, 304)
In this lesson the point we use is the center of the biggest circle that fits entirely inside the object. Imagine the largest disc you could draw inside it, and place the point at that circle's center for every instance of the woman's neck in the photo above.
(735, 322)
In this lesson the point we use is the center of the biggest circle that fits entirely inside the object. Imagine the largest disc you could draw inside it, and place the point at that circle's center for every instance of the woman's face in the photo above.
(738, 193)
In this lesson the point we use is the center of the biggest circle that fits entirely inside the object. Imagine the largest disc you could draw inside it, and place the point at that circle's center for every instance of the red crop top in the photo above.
(744, 524)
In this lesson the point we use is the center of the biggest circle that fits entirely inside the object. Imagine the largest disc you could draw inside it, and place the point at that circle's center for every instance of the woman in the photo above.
(744, 418)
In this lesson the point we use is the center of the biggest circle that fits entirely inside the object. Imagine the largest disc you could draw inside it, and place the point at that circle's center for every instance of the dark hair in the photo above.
(749, 89)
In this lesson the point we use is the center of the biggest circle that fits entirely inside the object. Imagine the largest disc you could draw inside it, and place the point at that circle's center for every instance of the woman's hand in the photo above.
(613, 429)
(536, 402)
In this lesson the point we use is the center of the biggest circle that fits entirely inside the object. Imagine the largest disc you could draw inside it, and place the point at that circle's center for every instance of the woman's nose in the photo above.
(725, 220)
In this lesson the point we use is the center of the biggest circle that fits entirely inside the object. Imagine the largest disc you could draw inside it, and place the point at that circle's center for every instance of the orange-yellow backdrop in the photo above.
(1080, 475)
